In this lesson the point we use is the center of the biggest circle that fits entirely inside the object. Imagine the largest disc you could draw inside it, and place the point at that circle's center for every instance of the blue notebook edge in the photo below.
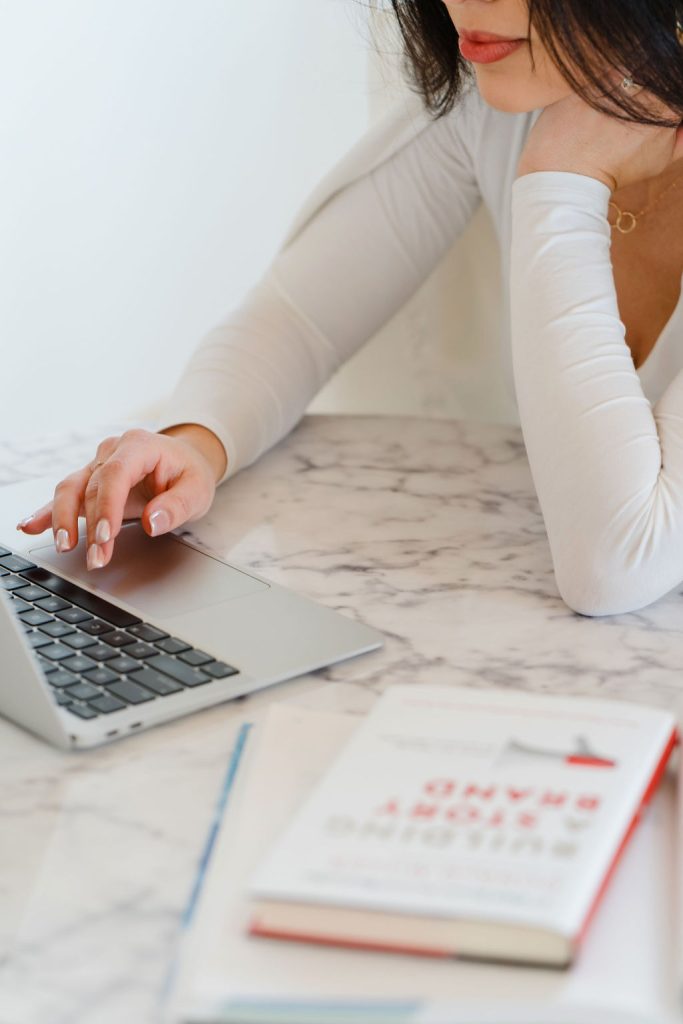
(220, 805)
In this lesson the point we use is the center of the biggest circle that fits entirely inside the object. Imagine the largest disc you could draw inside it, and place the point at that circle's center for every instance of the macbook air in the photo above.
(164, 630)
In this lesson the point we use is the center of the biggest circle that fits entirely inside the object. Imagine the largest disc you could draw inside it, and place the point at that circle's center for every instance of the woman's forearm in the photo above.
(608, 469)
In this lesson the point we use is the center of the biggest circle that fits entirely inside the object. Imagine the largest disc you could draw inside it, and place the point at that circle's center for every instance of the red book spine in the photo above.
(645, 799)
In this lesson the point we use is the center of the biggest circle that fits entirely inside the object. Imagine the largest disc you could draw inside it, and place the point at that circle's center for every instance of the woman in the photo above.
(568, 125)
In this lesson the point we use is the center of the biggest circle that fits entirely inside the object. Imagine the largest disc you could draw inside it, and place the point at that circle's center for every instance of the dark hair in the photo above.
(584, 39)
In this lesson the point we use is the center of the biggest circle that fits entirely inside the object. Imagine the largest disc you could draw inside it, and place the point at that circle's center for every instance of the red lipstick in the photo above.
(486, 47)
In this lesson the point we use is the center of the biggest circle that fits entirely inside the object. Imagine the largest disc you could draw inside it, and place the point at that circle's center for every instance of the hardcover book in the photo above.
(458, 822)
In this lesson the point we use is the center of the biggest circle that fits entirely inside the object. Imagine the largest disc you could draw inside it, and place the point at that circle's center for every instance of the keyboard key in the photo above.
(123, 664)
(83, 691)
(55, 652)
(102, 652)
(148, 633)
(177, 670)
(107, 704)
(30, 592)
(17, 605)
(57, 629)
(62, 678)
(15, 564)
(12, 583)
(119, 639)
(61, 698)
(140, 650)
(37, 640)
(101, 676)
(100, 608)
(155, 682)
(79, 663)
(52, 604)
(4, 551)
(72, 614)
(78, 641)
(82, 710)
(219, 670)
(96, 627)
(45, 665)
(195, 657)
(35, 617)
(130, 692)
(3, 571)
(172, 645)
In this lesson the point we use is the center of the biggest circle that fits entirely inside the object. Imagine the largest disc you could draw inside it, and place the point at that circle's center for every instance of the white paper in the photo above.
(625, 973)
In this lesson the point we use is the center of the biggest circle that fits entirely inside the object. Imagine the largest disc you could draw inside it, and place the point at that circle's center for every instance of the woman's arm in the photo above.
(608, 469)
(344, 274)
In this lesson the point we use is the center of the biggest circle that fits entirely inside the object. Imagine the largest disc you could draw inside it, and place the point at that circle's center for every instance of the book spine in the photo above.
(322, 940)
(644, 801)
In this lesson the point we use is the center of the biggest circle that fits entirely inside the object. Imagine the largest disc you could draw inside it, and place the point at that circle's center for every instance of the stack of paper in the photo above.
(626, 973)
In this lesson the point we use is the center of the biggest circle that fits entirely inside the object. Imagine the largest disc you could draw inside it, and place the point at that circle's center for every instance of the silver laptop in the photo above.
(164, 630)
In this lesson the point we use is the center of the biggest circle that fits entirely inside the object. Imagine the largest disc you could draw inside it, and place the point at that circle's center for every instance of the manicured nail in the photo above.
(159, 522)
(95, 559)
(102, 531)
(26, 521)
(62, 542)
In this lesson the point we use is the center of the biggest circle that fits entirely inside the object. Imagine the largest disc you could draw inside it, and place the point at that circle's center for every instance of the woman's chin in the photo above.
(507, 93)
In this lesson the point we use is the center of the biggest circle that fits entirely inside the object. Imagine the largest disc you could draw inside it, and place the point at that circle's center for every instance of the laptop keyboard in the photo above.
(97, 657)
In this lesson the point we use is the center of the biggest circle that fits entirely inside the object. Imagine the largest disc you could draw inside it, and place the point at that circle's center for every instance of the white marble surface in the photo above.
(429, 531)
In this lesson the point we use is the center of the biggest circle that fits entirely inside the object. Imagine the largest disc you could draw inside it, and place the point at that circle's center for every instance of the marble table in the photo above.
(427, 530)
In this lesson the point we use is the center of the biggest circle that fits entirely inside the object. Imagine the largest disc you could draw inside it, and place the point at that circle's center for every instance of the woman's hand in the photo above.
(163, 479)
(569, 135)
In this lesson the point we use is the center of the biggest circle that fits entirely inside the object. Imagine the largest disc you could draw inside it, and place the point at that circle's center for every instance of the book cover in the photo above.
(457, 821)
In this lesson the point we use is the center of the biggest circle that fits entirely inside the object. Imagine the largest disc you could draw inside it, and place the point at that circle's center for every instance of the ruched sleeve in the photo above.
(355, 261)
(607, 466)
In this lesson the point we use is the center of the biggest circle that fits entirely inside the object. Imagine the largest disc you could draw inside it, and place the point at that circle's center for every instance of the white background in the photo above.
(154, 152)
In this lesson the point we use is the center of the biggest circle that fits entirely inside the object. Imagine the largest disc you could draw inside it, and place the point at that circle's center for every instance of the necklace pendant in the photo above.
(625, 222)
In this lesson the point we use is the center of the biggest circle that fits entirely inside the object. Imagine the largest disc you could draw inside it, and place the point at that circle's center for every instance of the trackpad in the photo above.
(160, 576)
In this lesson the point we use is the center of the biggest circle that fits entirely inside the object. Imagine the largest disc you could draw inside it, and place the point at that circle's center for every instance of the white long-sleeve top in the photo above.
(604, 440)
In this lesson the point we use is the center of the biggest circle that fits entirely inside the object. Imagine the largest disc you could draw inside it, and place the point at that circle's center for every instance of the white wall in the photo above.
(153, 154)
(440, 355)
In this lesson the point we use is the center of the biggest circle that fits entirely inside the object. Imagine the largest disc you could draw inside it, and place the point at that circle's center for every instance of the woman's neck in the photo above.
(639, 194)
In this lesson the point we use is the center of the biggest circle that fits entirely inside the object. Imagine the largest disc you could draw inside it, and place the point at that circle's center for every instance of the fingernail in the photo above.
(62, 542)
(102, 531)
(26, 521)
(159, 522)
(95, 559)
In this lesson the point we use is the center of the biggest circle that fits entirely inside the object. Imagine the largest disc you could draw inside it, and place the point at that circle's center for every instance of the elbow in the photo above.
(586, 597)
(594, 589)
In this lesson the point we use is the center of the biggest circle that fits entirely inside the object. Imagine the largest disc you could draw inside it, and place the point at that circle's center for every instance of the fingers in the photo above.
(135, 456)
(66, 507)
(188, 498)
(106, 490)
(38, 521)
(67, 504)
(183, 491)
(61, 513)
(69, 498)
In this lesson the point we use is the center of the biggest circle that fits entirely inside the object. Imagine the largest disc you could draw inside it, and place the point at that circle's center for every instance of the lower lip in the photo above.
(488, 53)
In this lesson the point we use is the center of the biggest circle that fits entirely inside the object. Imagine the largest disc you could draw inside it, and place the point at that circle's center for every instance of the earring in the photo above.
(679, 30)
(627, 82)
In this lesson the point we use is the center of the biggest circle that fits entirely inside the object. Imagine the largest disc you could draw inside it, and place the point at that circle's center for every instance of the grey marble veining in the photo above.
(428, 530)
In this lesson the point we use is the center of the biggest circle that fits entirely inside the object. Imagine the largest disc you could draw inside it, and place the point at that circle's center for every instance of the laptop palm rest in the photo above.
(160, 577)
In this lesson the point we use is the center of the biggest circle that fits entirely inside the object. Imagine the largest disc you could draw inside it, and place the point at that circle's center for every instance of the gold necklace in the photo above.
(627, 221)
